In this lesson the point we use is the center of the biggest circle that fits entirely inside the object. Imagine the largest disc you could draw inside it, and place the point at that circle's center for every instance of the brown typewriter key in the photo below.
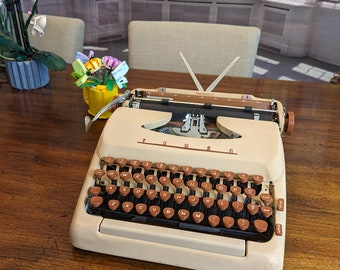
(237, 206)
(168, 212)
(96, 201)
(151, 194)
(154, 210)
(165, 195)
(228, 222)
(208, 202)
(164, 180)
(110, 189)
(253, 209)
(192, 184)
(151, 179)
(147, 165)
(138, 177)
(258, 179)
(280, 204)
(198, 217)
(177, 182)
(250, 192)
(201, 171)
(260, 225)
(134, 163)
(109, 160)
(214, 220)
(125, 176)
(138, 192)
(95, 190)
(243, 224)
(127, 206)
(278, 229)
(112, 174)
(193, 200)
(160, 166)
(173, 168)
(206, 186)
(266, 198)
(215, 173)
(124, 190)
(141, 208)
(235, 190)
(179, 198)
(113, 204)
(222, 204)
(243, 177)
(187, 170)
(220, 188)
(121, 162)
(98, 173)
(266, 211)
(229, 175)
(183, 214)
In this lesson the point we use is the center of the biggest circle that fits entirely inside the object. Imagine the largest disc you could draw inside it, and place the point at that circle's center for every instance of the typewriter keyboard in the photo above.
(197, 199)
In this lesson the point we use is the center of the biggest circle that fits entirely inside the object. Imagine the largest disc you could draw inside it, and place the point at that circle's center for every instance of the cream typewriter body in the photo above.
(188, 178)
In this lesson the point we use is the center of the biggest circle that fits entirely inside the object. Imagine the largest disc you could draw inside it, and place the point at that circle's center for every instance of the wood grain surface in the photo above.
(46, 153)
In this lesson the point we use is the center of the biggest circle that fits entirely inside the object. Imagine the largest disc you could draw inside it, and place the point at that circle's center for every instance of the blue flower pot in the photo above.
(27, 75)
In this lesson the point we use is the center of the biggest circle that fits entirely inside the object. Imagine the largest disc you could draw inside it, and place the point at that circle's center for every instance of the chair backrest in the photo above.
(64, 36)
(208, 47)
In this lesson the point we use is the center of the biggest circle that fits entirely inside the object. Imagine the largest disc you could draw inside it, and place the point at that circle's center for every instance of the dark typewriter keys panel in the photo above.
(196, 199)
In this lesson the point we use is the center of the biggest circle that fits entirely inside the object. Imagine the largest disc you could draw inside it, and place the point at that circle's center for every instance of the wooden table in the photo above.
(46, 153)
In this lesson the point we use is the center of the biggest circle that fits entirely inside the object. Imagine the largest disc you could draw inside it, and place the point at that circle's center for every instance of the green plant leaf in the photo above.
(110, 84)
(51, 60)
(89, 84)
(8, 45)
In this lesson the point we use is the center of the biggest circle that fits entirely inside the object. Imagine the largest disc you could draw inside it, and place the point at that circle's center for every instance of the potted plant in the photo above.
(26, 66)
(100, 79)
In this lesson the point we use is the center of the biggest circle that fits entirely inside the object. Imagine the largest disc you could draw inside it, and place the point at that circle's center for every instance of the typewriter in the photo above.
(188, 178)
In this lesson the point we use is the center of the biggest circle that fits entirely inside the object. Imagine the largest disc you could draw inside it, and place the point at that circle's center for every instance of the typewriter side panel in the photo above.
(84, 227)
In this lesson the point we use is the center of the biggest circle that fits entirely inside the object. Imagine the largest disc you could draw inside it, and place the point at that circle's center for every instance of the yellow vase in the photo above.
(97, 97)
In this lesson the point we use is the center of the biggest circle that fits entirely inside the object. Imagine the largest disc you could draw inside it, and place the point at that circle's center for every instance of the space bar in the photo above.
(174, 237)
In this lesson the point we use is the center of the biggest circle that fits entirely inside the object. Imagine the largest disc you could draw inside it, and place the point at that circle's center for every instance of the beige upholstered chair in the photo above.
(208, 48)
(64, 36)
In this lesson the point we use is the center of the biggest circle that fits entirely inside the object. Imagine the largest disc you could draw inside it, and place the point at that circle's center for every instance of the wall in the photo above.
(294, 28)
(325, 41)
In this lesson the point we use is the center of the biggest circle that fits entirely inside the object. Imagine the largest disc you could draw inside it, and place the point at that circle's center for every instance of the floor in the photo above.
(275, 66)
(267, 65)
